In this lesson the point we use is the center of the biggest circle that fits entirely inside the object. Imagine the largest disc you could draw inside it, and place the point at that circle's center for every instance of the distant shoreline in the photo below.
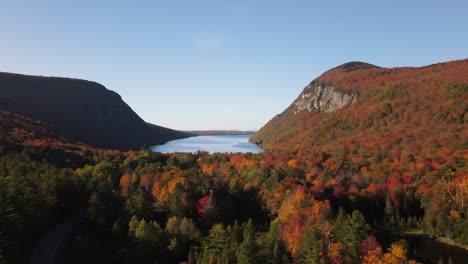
(220, 132)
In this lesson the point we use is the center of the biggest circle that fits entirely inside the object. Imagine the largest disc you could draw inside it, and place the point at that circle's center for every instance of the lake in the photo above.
(426, 249)
(211, 144)
(430, 251)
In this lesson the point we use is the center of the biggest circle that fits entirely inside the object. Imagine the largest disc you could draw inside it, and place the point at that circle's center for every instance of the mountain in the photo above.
(81, 111)
(367, 109)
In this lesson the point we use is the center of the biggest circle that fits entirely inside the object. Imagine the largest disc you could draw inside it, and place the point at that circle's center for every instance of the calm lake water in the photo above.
(211, 144)
(426, 249)
(430, 251)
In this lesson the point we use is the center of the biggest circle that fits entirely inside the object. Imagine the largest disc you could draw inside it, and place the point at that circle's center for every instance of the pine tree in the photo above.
(341, 227)
(139, 204)
(133, 225)
(275, 248)
(149, 231)
(312, 251)
(176, 204)
(236, 233)
(96, 209)
(359, 225)
(359, 232)
(248, 246)
(172, 225)
(350, 232)
(140, 231)
(216, 240)
(189, 229)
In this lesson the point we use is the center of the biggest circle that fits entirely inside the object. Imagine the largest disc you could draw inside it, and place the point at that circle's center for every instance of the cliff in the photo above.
(369, 107)
(81, 111)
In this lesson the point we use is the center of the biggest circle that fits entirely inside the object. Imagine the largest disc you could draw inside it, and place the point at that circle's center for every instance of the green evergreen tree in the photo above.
(248, 246)
(232, 247)
(149, 231)
(312, 248)
(139, 204)
(341, 228)
(359, 225)
(359, 232)
(275, 249)
(216, 240)
(172, 225)
(189, 229)
(176, 204)
(350, 231)
(236, 233)
(172, 244)
(140, 230)
(96, 209)
(133, 225)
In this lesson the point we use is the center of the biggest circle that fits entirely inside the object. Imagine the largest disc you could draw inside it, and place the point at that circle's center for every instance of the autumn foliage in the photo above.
(327, 187)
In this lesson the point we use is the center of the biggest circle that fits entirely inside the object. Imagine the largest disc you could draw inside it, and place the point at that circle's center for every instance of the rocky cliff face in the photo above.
(323, 98)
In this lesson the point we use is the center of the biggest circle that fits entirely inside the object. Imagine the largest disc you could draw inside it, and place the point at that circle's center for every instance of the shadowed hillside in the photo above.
(81, 111)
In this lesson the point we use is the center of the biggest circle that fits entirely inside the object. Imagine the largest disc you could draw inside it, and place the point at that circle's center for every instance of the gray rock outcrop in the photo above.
(322, 98)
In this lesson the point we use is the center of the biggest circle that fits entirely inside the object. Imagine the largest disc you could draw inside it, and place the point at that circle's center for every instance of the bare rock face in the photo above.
(322, 98)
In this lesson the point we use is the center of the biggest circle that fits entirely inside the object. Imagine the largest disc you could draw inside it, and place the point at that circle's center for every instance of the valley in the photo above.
(234, 132)
(363, 153)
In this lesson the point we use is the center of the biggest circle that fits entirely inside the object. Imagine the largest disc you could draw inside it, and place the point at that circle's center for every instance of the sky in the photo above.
(198, 65)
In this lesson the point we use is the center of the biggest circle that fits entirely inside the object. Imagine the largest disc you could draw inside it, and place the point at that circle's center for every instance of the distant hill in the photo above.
(375, 111)
(220, 132)
(81, 111)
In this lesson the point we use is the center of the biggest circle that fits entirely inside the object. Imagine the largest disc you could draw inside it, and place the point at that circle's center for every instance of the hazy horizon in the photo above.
(211, 65)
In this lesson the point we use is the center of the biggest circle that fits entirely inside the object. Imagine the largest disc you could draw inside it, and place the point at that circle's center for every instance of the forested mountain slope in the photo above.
(81, 111)
(19, 133)
(369, 110)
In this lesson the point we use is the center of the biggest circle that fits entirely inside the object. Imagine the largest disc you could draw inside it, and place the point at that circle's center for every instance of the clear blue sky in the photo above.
(221, 64)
